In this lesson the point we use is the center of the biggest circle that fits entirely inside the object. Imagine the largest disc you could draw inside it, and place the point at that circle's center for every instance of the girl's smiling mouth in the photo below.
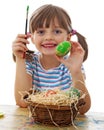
(49, 45)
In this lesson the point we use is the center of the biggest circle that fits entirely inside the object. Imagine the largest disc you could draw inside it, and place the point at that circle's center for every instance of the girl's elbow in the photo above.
(21, 104)
(84, 109)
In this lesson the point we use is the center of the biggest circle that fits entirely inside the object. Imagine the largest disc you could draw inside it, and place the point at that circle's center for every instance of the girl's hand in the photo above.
(19, 45)
(75, 59)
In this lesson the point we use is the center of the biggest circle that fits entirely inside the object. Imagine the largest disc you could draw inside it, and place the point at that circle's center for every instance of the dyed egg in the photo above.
(63, 48)
(74, 92)
(1, 114)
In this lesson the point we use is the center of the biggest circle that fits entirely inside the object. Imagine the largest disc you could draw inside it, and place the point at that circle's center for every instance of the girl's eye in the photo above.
(57, 31)
(40, 32)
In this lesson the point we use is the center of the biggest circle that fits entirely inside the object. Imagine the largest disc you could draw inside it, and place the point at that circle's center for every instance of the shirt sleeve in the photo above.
(31, 65)
(29, 69)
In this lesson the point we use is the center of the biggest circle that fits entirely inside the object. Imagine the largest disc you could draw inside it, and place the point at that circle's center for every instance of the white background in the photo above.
(87, 18)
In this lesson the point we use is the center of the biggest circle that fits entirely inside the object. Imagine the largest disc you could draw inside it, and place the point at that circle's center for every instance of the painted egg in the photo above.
(63, 48)
(1, 114)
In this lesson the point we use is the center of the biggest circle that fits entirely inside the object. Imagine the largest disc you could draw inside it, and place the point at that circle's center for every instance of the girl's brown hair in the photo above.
(47, 13)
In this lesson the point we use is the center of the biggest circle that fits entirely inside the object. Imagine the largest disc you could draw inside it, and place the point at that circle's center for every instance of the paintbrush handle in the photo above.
(26, 26)
(24, 54)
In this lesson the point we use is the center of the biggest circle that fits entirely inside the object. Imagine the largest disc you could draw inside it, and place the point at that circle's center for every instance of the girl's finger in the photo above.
(21, 36)
(19, 46)
(23, 41)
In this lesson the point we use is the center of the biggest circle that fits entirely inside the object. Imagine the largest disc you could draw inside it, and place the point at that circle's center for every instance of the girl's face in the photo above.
(46, 39)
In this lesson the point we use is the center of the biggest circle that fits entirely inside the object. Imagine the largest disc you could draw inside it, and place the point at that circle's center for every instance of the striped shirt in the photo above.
(48, 79)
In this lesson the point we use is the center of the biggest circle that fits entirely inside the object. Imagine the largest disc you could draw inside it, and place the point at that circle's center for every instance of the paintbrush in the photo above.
(26, 26)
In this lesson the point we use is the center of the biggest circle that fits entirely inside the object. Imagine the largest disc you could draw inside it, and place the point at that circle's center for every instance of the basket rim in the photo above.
(56, 107)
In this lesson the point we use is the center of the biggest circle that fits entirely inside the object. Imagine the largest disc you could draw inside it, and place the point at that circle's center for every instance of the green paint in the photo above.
(27, 8)
(63, 48)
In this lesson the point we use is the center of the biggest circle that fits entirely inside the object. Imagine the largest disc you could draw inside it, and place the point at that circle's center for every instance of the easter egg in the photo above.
(63, 48)
(1, 114)
(74, 92)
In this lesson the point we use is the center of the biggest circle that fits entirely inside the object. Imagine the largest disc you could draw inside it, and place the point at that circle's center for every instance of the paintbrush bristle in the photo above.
(27, 8)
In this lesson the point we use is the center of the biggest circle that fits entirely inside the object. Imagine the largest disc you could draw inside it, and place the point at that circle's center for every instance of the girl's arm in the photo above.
(74, 63)
(23, 81)
(78, 79)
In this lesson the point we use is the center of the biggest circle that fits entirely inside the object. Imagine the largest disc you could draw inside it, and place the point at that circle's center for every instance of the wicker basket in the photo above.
(63, 115)
(54, 115)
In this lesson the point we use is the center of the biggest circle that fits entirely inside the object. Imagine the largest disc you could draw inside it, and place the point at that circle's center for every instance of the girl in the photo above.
(49, 25)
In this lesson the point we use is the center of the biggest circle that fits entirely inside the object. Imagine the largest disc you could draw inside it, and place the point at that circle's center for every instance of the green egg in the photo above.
(74, 92)
(63, 48)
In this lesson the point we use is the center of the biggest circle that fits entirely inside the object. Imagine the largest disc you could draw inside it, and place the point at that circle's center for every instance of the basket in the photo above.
(54, 115)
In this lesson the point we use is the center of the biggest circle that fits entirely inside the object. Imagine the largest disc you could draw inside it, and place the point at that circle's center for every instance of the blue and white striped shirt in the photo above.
(48, 79)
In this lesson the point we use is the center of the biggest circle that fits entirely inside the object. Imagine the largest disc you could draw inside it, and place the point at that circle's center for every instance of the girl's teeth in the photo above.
(48, 45)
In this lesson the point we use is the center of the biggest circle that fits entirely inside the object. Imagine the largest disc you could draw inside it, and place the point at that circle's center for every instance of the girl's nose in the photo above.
(49, 36)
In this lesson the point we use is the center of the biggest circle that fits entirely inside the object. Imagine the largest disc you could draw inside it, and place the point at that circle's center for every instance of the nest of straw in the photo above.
(54, 114)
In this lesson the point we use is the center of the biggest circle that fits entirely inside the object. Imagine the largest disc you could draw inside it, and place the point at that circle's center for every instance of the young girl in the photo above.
(49, 25)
